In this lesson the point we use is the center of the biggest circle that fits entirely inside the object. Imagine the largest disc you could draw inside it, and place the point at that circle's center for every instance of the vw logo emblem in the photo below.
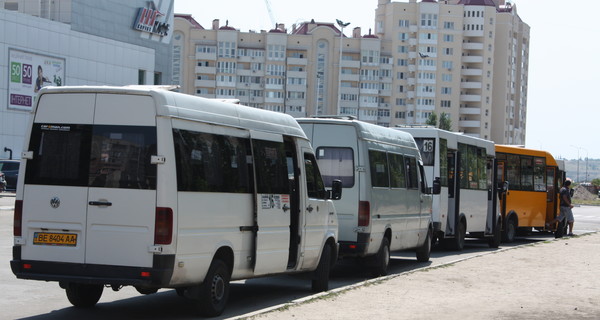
(55, 202)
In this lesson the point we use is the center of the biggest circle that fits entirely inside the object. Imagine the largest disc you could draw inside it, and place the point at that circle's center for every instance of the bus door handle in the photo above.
(309, 208)
(100, 203)
(285, 207)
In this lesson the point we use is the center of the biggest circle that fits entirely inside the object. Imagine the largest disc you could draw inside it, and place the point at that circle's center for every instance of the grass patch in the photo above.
(595, 202)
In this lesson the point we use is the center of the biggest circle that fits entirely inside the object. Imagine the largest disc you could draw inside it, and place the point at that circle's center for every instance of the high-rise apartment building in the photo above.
(465, 58)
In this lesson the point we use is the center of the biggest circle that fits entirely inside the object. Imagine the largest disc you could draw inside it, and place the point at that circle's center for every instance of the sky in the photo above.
(564, 58)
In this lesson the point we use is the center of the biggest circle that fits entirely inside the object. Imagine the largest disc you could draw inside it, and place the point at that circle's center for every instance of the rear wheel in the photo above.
(424, 252)
(214, 291)
(382, 259)
(458, 242)
(320, 281)
(84, 295)
(510, 231)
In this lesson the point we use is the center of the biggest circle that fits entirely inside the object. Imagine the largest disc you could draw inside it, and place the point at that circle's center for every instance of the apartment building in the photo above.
(465, 58)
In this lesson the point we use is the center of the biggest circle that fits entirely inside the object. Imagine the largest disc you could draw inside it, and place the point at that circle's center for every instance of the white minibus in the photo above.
(154, 189)
(386, 205)
(468, 204)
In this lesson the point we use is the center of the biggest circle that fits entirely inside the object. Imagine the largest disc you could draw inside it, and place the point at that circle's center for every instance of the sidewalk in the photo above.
(556, 279)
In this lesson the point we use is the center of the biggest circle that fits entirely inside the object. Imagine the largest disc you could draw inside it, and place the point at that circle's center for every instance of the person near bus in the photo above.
(565, 207)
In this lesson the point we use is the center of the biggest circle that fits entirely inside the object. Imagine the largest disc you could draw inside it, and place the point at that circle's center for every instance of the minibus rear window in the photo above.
(96, 156)
(336, 163)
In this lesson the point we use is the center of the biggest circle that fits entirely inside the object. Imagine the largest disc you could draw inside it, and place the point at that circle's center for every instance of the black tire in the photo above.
(494, 241)
(510, 231)
(146, 290)
(84, 295)
(382, 259)
(458, 242)
(424, 252)
(320, 281)
(214, 291)
(560, 230)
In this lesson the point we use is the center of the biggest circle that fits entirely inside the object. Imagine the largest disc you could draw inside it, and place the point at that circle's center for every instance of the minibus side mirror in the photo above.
(437, 186)
(336, 190)
(504, 187)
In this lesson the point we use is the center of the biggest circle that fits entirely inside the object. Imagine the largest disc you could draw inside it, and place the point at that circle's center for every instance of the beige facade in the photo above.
(465, 58)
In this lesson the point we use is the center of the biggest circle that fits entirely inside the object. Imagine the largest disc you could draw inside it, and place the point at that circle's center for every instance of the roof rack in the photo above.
(415, 126)
(334, 116)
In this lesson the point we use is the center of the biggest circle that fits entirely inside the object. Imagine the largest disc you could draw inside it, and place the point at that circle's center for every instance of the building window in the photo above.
(446, 90)
(428, 20)
(141, 76)
(227, 49)
(445, 103)
(400, 115)
(448, 25)
(400, 101)
(157, 78)
(402, 49)
(448, 51)
(403, 23)
(446, 77)
(448, 38)
(447, 64)
(402, 62)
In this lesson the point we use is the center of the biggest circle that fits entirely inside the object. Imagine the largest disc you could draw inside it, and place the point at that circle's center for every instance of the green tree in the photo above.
(445, 122)
(432, 120)
(596, 182)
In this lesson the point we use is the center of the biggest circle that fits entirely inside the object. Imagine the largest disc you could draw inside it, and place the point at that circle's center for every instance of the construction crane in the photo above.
(271, 16)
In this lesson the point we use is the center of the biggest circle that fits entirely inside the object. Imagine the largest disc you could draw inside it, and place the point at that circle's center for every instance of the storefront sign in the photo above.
(151, 20)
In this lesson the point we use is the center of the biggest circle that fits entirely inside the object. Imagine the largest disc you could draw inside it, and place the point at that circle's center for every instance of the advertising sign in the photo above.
(29, 72)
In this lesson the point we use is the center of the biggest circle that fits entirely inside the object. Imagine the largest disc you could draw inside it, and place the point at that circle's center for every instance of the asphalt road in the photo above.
(27, 299)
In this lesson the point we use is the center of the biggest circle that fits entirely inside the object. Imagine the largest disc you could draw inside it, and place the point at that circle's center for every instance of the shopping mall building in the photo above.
(76, 42)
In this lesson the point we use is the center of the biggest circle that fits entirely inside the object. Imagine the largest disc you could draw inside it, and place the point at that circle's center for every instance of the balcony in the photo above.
(297, 61)
(350, 64)
(470, 85)
(350, 77)
(472, 46)
(470, 98)
(469, 123)
(205, 70)
(206, 56)
(472, 59)
(471, 72)
(470, 111)
(204, 83)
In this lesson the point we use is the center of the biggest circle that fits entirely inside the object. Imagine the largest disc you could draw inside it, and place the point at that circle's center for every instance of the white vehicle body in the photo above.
(147, 187)
(384, 188)
(468, 206)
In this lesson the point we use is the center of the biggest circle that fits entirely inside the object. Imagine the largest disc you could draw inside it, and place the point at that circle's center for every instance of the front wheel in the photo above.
(320, 281)
(84, 295)
(510, 231)
(214, 291)
(424, 252)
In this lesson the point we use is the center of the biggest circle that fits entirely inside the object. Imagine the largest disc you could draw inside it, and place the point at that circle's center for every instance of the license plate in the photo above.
(55, 239)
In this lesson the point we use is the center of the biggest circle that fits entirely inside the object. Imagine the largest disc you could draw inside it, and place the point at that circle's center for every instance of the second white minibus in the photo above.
(386, 204)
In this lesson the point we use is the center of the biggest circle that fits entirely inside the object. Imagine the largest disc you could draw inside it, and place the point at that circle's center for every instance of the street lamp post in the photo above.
(342, 25)
(586, 162)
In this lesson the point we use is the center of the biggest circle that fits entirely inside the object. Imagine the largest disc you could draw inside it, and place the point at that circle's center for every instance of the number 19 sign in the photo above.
(29, 72)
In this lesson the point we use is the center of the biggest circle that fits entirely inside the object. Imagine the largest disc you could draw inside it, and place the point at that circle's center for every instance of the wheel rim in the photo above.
(218, 288)
(386, 257)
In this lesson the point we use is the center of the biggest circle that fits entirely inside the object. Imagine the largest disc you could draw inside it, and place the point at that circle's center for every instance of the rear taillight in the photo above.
(18, 218)
(163, 226)
(364, 213)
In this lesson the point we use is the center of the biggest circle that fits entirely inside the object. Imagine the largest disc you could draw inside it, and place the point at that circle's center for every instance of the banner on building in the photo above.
(28, 73)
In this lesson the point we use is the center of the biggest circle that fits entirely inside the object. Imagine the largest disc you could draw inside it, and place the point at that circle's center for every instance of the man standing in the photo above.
(565, 207)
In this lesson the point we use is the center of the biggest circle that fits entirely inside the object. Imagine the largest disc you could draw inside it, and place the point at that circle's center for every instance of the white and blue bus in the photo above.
(467, 205)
